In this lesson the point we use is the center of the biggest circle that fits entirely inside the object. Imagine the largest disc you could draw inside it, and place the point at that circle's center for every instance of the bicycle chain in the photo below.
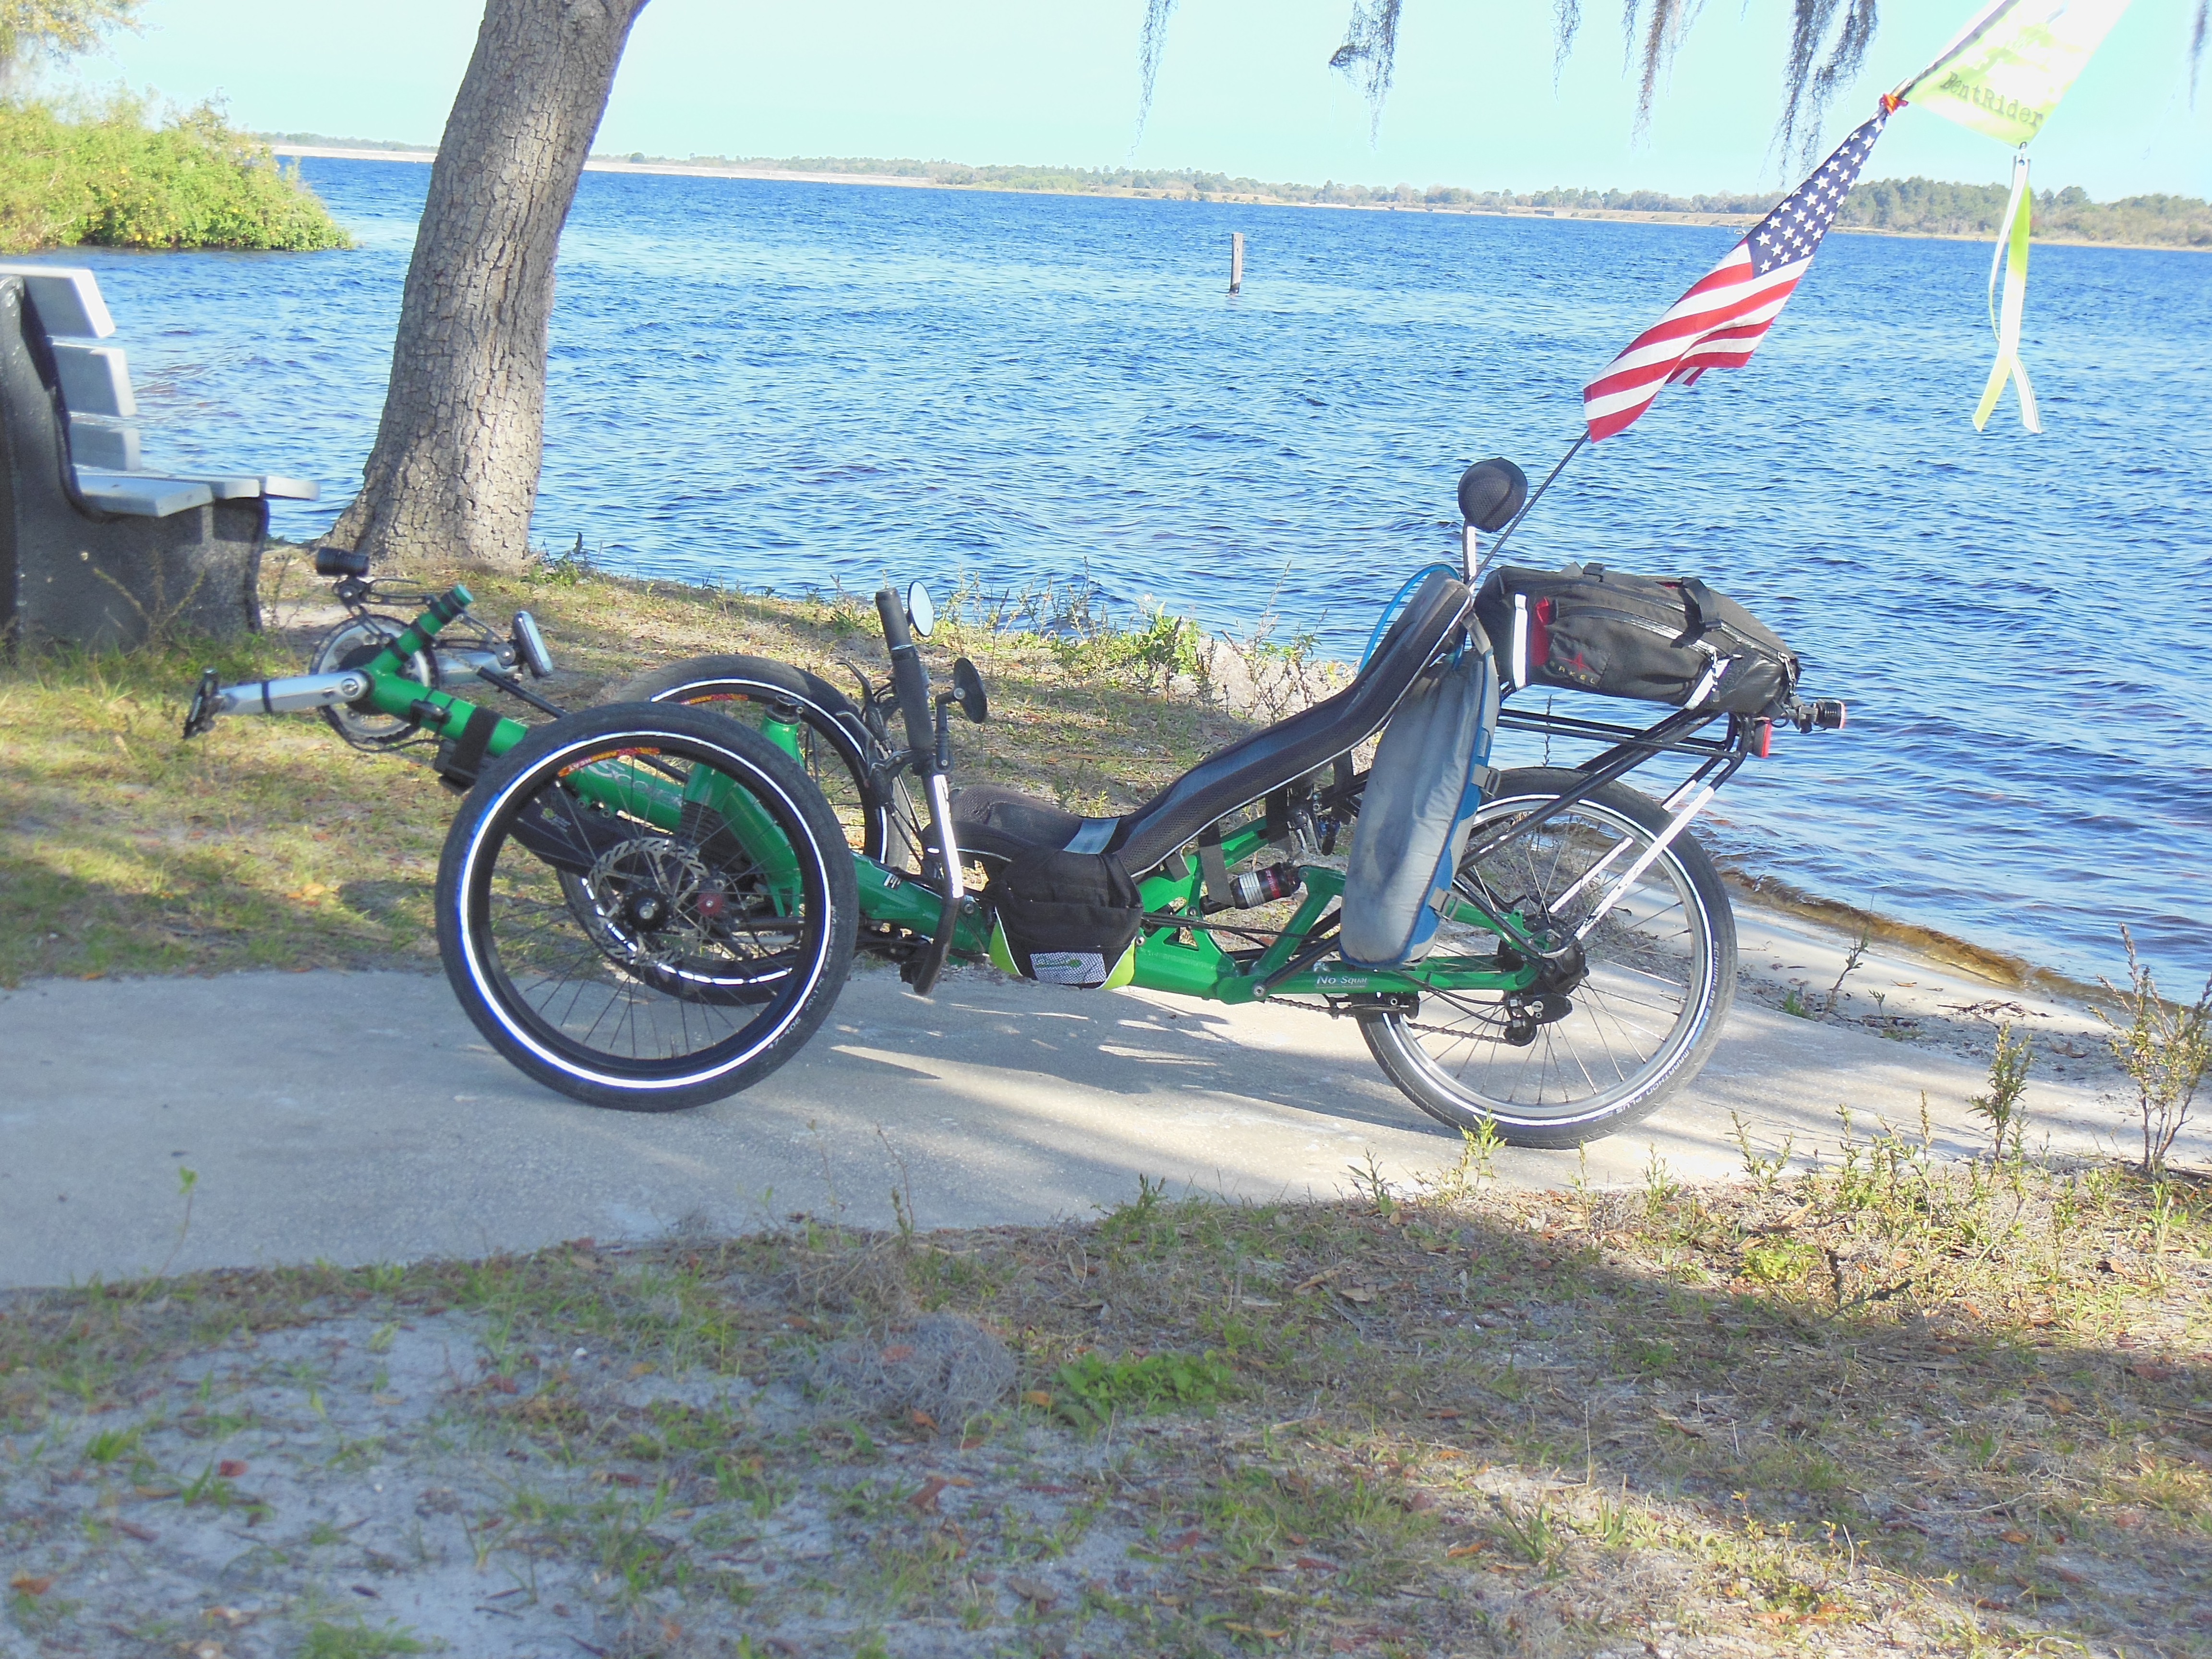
(1336, 1012)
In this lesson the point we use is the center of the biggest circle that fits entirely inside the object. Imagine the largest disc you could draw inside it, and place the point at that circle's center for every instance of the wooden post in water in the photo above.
(1236, 262)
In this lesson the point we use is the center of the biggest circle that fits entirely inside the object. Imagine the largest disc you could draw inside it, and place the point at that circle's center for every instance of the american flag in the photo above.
(1719, 323)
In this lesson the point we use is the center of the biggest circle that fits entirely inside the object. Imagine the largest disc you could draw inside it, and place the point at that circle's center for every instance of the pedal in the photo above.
(200, 717)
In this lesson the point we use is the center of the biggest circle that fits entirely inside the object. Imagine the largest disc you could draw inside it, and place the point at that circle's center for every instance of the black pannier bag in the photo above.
(1589, 628)
(1065, 918)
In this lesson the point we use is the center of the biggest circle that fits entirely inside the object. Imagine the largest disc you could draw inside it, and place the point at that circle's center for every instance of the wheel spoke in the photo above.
(1602, 1033)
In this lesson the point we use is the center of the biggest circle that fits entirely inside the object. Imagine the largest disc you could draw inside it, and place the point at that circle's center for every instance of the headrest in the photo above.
(1491, 492)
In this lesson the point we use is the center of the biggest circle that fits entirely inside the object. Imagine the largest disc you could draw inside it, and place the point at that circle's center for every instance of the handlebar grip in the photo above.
(909, 681)
(895, 629)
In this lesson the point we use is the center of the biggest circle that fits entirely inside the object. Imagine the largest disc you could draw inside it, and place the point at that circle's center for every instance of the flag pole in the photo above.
(1530, 506)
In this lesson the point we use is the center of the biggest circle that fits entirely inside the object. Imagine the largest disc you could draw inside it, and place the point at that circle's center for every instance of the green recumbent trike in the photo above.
(652, 903)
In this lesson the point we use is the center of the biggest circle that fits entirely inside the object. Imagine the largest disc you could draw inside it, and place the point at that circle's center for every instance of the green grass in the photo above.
(1090, 1389)
(110, 176)
(269, 844)
(327, 1641)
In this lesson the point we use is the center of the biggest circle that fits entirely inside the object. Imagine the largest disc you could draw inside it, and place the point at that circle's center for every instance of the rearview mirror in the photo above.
(1491, 492)
(920, 610)
(529, 646)
(968, 691)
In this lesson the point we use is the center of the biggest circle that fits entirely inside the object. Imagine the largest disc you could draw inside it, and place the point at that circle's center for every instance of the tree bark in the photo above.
(453, 475)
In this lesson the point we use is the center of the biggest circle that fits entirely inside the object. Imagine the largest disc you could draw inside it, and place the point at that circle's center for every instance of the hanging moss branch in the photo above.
(1151, 43)
(1566, 20)
(1807, 90)
(1370, 52)
(1828, 44)
(2199, 31)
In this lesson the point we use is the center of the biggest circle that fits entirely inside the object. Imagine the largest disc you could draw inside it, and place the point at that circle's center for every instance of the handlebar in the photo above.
(909, 681)
(910, 685)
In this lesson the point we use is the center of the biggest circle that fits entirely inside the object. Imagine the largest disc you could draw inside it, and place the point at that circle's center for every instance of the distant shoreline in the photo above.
(1721, 220)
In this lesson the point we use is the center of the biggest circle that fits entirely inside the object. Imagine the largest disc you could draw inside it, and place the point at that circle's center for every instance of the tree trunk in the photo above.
(453, 477)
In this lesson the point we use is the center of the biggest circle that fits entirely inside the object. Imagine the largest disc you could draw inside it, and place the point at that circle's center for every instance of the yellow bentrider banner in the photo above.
(2007, 71)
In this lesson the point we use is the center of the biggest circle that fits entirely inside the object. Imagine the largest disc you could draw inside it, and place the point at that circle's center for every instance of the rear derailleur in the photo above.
(1560, 967)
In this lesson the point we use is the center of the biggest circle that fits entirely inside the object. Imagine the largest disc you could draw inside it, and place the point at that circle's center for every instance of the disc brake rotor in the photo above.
(655, 899)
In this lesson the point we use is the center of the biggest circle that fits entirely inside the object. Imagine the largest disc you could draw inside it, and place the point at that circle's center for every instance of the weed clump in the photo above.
(942, 1365)
(2164, 1048)
(2001, 1109)
(1090, 1389)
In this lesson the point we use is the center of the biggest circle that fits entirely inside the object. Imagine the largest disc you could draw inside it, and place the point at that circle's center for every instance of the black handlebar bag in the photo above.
(1065, 919)
(1672, 641)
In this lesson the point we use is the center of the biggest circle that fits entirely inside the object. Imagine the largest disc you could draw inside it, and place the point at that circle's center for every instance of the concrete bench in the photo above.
(96, 548)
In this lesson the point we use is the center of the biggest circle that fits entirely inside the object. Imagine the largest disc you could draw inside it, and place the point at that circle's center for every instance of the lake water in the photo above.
(789, 384)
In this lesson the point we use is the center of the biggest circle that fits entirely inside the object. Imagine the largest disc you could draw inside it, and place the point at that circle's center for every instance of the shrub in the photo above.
(106, 175)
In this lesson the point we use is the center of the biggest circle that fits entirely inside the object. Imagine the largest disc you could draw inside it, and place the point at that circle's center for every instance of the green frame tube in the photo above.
(625, 786)
(1183, 960)
(1188, 961)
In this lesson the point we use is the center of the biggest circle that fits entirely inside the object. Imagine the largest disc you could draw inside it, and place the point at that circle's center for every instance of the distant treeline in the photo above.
(1930, 207)
(324, 140)
(1922, 206)
(1900, 206)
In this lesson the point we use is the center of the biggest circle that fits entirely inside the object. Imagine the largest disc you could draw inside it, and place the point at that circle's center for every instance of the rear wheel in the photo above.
(645, 954)
(1624, 1027)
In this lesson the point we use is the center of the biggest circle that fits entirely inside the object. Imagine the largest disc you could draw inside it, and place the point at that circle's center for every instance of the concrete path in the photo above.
(358, 1117)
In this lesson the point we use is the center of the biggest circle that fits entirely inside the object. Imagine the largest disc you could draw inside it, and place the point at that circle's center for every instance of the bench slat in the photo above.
(147, 494)
(113, 448)
(67, 298)
(95, 379)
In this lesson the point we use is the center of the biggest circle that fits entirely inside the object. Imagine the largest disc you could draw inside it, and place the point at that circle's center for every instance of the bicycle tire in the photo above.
(835, 746)
(1643, 1022)
(734, 987)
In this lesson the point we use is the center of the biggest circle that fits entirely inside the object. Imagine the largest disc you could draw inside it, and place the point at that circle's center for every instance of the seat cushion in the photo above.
(998, 822)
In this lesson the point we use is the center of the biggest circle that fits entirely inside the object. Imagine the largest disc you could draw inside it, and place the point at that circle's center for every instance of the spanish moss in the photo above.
(1371, 45)
(1662, 32)
(1151, 44)
(2196, 38)
(1809, 83)
(1566, 18)
(1828, 44)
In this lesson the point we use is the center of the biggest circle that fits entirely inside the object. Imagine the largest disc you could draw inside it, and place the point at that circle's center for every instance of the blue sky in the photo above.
(1244, 89)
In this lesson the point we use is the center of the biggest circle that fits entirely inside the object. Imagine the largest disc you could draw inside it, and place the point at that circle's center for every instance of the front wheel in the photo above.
(1625, 1026)
(646, 907)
